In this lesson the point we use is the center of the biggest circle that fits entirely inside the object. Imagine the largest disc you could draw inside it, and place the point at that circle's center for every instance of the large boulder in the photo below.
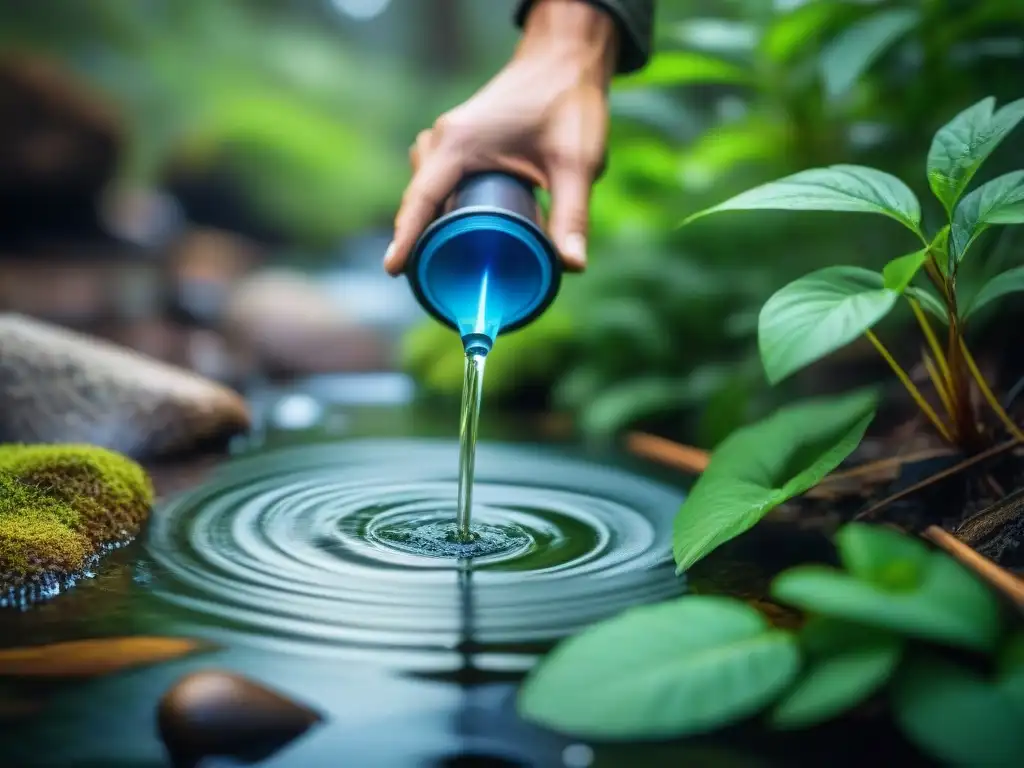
(60, 386)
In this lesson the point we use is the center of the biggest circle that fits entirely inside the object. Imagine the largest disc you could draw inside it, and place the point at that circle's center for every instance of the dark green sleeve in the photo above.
(635, 19)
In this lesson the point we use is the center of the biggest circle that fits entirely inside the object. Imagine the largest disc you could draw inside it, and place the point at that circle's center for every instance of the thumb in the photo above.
(570, 204)
(430, 186)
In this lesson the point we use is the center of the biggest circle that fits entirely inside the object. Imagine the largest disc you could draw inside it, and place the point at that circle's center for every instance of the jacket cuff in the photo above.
(634, 19)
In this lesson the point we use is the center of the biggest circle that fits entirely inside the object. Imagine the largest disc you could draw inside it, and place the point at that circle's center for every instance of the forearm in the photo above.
(633, 21)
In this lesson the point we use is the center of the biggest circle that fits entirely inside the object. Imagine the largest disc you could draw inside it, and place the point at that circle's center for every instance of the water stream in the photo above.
(469, 422)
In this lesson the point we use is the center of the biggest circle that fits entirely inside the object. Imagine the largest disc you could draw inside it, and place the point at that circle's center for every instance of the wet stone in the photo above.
(220, 714)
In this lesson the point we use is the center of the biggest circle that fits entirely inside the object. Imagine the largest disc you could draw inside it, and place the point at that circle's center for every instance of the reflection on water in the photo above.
(348, 549)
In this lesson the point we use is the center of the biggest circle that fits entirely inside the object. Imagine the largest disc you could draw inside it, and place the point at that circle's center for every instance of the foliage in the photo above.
(646, 672)
(759, 467)
(817, 314)
(738, 94)
(313, 134)
(60, 505)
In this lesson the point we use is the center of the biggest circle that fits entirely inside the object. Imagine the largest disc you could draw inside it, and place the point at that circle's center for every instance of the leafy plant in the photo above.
(759, 467)
(701, 663)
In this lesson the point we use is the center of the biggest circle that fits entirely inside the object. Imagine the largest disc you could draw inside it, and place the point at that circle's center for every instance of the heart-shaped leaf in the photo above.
(667, 670)
(835, 188)
(957, 716)
(675, 68)
(962, 145)
(898, 273)
(1000, 201)
(896, 586)
(855, 49)
(1010, 281)
(846, 664)
(760, 466)
(818, 314)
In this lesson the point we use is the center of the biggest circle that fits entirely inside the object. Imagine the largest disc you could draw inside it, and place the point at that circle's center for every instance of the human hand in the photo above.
(544, 117)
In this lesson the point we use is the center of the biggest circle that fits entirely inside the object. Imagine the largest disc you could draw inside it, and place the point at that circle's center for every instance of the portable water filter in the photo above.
(486, 267)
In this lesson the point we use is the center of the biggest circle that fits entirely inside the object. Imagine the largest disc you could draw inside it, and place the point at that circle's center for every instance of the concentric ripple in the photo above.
(350, 548)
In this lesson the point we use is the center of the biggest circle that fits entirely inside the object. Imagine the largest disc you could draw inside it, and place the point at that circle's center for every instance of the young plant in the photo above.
(884, 624)
(829, 308)
(761, 466)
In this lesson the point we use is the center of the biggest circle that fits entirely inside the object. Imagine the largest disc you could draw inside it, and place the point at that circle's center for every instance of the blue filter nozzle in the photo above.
(486, 267)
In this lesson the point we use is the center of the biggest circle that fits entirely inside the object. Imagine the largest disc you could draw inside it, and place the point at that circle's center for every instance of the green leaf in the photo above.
(931, 303)
(1000, 201)
(855, 49)
(846, 664)
(1010, 281)
(898, 273)
(962, 145)
(957, 716)
(668, 670)
(818, 314)
(898, 587)
(624, 403)
(881, 556)
(760, 466)
(676, 68)
(835, 188)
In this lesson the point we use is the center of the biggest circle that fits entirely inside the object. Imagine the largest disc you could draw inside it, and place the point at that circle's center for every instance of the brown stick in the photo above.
(938, 476)
(1000, 579)
(692, 460)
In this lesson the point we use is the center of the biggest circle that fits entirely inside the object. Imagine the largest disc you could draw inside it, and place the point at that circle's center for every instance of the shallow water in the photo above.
(321, 563)
(347, 550)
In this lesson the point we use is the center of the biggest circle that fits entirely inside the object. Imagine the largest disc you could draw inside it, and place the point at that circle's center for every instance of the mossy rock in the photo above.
(61, 506)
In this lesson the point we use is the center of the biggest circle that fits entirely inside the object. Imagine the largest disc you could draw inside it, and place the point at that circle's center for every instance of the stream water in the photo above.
(321, 561)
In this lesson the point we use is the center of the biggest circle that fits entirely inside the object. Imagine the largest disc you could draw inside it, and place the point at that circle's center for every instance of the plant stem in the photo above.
(933, 344)
(940, 387)
(910, 386)
(990, 398)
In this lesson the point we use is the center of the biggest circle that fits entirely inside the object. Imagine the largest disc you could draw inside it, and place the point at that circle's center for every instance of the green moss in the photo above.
(61, 504)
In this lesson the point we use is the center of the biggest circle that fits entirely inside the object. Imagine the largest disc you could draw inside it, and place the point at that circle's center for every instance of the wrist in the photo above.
(574, 34)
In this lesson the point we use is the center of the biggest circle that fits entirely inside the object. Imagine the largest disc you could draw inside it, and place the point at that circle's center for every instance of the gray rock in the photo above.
(60, 386)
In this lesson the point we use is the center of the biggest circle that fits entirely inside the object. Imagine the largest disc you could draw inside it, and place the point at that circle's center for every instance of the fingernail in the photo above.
(575, 249)
(389, 255)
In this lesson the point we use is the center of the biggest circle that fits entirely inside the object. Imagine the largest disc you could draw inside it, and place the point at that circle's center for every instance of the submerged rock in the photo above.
(60, 507)
(59, 386)
(221, 714)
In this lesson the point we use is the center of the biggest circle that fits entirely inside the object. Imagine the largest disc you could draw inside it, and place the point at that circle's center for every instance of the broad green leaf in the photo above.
(958, 716)
(846, 663)
(962, 145)
(1010, 281)
(817, 314)
(883, 557)
(931, 303)
(1000, 201)
(857, 47)
(930, 597)
(668, 670)
(760, 466)
(835, 188)
(675, 68)
(898, 273)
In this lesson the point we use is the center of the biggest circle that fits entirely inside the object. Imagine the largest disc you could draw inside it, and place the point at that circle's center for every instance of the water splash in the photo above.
(349, 549)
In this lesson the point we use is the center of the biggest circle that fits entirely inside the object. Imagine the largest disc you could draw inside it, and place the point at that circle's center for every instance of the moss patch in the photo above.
(60, 505)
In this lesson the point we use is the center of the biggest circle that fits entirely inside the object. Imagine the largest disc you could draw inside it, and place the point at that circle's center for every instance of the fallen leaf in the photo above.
(92, 658)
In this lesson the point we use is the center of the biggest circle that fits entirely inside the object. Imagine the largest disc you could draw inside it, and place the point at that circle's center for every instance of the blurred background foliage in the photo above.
(309, 113)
